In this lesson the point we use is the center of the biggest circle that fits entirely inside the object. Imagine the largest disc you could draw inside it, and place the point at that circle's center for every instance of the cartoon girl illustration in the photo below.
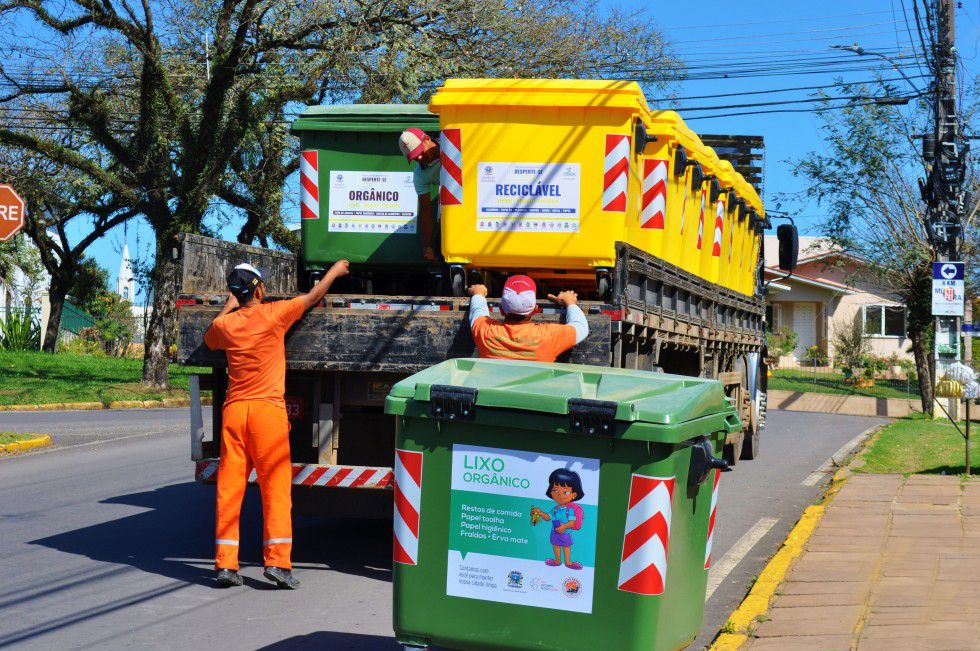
(565, 488)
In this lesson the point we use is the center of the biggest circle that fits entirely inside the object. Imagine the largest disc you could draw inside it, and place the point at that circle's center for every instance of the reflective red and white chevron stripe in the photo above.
(643, 568)
(719, 227)
(309, 184)
(704, 194)
(312, 474)
(711, 520)
(408, 506)
(451, 174)
(615, 177)
(652, 214)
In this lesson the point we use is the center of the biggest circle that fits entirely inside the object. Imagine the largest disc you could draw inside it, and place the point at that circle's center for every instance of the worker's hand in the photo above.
(231, 302)
(428, 254)
(339, 269)
(478, 290)
(566, 298)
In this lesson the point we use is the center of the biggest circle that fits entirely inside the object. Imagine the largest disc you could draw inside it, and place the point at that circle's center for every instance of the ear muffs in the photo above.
(697, 175)
(680, 161)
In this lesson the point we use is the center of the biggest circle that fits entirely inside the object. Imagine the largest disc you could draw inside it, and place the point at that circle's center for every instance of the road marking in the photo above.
(734, 556)
(837, 458)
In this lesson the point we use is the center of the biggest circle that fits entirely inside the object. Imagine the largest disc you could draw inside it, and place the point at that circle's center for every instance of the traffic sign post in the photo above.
(947, 288)
(11, 213)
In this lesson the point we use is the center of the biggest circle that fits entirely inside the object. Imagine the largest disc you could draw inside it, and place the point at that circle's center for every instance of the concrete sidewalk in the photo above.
(831, 403)
(893, 564)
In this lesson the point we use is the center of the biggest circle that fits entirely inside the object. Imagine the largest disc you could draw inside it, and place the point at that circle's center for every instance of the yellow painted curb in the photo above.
(756, 603)
(19, 446)
(115, 404)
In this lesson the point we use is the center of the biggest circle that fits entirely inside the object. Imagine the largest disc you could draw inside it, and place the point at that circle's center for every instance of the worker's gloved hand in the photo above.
(339, 269)
(565, 298)
(478, 290)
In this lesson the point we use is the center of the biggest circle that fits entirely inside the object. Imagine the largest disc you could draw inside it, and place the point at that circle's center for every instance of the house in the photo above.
(827, 291)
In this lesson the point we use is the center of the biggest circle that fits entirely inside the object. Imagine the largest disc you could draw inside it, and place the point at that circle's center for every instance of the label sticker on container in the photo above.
(522, 528)
(372, 202)
(528, 197)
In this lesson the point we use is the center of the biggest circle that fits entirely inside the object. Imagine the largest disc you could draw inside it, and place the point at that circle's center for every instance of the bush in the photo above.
(850, 346)
(780, 343)
(873, 365)
(19, 332)
(815, 355)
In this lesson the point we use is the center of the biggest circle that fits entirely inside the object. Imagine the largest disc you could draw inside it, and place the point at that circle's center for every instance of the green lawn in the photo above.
(919, 445)
(40, 378)
(828, 381)
(13, 437)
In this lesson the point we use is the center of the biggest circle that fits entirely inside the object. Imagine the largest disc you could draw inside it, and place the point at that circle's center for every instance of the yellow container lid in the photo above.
(671, 124)
(748, 192)
(581, 93)
(726, 174)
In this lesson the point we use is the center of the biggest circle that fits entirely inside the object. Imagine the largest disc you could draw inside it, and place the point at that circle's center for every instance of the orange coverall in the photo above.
(255, 428)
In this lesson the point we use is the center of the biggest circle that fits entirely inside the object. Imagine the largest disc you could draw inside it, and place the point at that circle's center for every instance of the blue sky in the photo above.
(712, 36)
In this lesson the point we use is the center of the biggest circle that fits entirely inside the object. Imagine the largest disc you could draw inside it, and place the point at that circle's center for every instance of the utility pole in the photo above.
(946, 149)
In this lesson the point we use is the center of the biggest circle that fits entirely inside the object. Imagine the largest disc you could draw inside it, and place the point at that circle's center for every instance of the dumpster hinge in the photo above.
(592, 416)
(452, 403)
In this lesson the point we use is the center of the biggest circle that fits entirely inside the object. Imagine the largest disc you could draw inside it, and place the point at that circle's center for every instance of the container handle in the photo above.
(732, 423)
(451, 403)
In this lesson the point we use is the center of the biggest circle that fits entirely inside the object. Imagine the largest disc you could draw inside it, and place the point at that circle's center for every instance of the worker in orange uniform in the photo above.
(516, 337)
(254, 425)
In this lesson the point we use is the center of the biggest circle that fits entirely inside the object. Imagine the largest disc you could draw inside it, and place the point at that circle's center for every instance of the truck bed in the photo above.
(382, 334)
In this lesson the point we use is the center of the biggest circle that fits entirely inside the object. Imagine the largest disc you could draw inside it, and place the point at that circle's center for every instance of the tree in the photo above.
(865, 180)
(58, 197)
(167, 92)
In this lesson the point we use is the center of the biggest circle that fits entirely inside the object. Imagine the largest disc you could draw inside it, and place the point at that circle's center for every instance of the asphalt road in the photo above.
(107, 541)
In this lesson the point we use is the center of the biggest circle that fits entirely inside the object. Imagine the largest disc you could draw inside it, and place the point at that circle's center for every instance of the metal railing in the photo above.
(898, 381)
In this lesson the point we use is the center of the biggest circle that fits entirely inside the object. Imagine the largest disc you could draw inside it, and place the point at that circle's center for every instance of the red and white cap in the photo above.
(519, 296)
(412, 142)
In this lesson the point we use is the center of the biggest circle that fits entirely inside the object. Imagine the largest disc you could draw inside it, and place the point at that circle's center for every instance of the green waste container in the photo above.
(493, 455)
(357, 199)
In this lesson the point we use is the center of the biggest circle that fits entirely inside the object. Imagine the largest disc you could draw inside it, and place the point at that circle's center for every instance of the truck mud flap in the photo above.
(316, 475)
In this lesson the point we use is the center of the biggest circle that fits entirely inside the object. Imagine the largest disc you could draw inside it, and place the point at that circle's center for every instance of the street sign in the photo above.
(11, 213)
(947, 288)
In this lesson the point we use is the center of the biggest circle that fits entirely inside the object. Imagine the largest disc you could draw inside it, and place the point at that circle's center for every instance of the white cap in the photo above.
(247, 267)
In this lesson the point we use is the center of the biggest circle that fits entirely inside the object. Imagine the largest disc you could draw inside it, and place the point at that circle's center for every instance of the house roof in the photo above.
(833, 287)
(811, 249)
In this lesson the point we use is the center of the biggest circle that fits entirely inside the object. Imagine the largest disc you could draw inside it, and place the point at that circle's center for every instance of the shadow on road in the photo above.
(174, 537)
(334, 640)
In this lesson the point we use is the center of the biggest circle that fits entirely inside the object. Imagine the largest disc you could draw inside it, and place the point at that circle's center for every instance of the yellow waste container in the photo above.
(666, 196)
(706, 253)
(753, 209)
(537, 175)
(727, 260)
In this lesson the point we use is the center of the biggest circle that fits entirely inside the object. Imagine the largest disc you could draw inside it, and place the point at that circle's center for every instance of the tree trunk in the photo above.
(56, 299)
(924, 368)
(163, 317)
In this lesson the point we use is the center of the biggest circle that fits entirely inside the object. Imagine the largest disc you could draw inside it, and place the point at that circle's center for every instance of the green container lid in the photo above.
(645, 406)
(365, 117)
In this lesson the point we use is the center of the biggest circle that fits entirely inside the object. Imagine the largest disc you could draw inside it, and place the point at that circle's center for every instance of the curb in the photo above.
(41, 441)
(114, 404)
(756, 603)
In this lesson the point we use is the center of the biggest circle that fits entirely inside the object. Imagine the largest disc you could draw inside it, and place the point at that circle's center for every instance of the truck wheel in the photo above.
(750, 447)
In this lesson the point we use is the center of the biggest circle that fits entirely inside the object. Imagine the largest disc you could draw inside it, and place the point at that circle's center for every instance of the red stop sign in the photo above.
(11, 212)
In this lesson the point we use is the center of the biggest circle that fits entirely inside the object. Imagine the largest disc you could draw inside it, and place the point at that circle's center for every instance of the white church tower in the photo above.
(125, 282)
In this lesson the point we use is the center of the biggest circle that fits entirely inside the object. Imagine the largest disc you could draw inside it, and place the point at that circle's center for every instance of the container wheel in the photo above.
(603, 285)
(458, 281)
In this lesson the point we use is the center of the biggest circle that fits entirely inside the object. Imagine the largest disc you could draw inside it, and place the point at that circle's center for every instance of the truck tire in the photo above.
(750, 445)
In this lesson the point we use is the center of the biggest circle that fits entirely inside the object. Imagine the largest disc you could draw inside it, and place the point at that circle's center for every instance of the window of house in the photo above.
(884, 321)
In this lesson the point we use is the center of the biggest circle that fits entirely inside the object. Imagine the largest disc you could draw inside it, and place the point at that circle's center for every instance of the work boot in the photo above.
(282, 578)
(228, 578)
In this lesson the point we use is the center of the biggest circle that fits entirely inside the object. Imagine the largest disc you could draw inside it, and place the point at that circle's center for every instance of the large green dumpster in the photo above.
(357, 199)
(553, 506)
